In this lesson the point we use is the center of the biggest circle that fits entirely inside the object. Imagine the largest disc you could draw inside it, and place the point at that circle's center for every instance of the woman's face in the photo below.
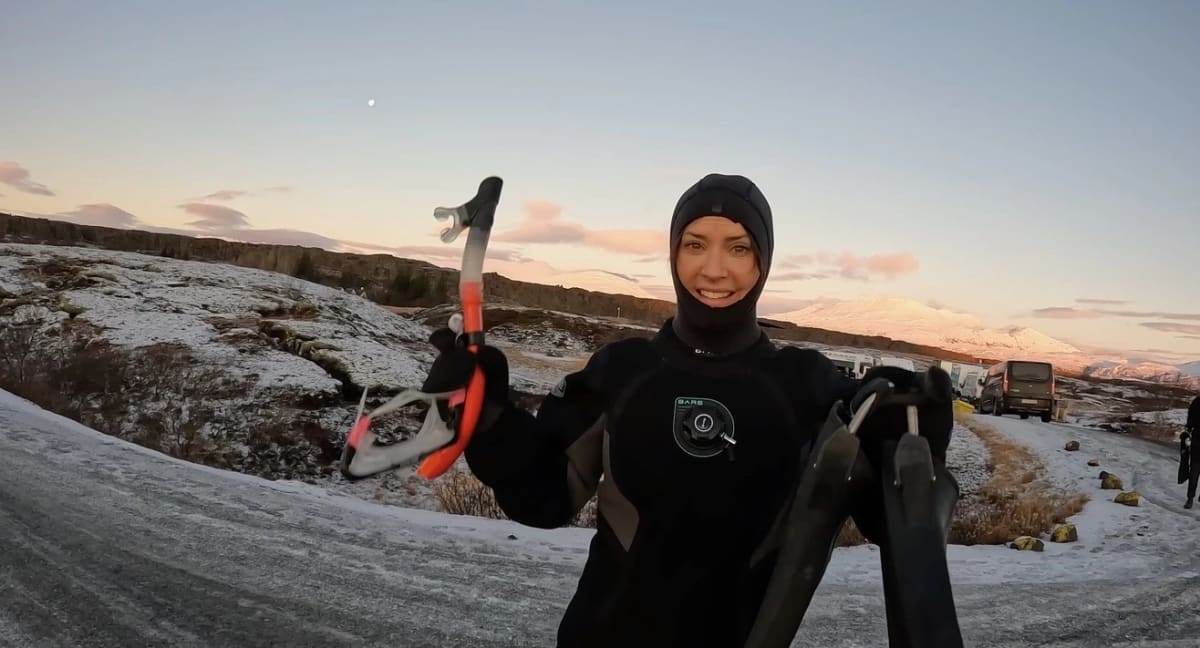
(716, 262)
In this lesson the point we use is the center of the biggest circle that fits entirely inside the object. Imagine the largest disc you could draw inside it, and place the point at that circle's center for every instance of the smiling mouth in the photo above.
(714, 298)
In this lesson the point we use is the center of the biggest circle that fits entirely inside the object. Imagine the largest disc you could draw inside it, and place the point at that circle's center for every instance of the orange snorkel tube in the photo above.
(436, 446)
(477, 216)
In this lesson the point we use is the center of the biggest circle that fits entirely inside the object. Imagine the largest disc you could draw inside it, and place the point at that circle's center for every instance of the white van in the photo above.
(893, 361)
(853, 365)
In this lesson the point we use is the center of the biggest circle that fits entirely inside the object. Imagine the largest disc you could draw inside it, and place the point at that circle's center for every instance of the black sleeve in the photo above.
(544, 468)
(816, 383)
(1193, 418)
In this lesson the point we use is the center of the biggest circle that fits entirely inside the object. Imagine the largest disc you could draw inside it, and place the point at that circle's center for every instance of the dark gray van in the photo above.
(1019, 386)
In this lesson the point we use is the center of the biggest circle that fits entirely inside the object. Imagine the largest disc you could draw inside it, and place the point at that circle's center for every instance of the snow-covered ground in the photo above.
(227, 315)
(967, 460)
(1174, 416)
(286, 340)
(138, 300)
(1157, 530)
(109, 544)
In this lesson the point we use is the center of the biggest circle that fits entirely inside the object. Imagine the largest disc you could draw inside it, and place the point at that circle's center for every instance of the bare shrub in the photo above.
(180, 433)
(19, 341)
(850, 536)
(1158, 430)
(459, 492)
(1015, 501)
(587, 516)
(278, 450)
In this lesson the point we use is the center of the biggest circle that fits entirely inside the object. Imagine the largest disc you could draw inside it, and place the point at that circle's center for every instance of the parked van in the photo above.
(967, 379)
(1021, 386)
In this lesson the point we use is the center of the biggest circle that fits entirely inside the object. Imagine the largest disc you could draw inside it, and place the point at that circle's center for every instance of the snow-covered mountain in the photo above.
(912, 321)
(1190, 369)
(1186, 375)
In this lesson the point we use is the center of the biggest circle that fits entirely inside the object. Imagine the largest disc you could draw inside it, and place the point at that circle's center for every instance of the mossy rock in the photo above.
(1072, 446)
(1028, 543)
(1065, 533)
(1131, 498)
(1093, 462)
(1111, 482)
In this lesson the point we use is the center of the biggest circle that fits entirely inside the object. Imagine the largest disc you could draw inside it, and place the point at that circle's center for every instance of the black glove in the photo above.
(935, 411)
(455, 363)
(889, 421)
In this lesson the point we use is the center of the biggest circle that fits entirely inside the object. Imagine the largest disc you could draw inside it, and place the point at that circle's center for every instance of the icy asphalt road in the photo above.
(105, 544)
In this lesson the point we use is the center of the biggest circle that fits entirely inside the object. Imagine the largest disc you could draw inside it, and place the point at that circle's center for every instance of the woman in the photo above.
(697, 434)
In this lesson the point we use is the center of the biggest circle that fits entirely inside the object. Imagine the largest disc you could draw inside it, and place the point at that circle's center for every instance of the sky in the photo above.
(1030, 163)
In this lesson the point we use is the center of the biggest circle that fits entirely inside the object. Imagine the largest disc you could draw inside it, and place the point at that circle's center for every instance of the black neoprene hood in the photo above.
(735, 327)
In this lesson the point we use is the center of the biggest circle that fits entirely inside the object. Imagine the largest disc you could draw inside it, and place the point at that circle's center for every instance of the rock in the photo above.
(1111, 482)
(1028, 543)
(1103, 474)
(1093, 462)
(1064, 533)
(1072, 446)
(512, 537)
(1130, 498)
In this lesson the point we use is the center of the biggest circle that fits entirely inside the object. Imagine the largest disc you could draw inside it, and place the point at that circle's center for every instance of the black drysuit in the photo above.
(697, 455)
(1193, 428)
(691, 441)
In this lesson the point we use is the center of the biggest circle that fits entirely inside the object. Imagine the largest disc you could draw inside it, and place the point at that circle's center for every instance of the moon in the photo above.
(370, 103)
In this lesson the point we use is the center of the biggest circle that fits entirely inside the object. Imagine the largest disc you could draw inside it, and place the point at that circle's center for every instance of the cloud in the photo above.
(1066, 312)
(234, 194)
(101, 214)
(226, 194)
(798, 276)
(770, 304)
(1110, 302)
(887, 265)
(619, 275)
(279, 237)
(1069, 312)
(17, 177)
(1173, 327)
(850, 266)
(798, 260)
(653, 259)
(1154, 314)
(543, 223)
(215, 217)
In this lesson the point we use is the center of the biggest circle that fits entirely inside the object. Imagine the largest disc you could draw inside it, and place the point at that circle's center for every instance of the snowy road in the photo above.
(105, 544)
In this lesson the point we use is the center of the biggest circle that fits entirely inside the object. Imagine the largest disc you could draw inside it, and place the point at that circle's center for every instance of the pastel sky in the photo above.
(1032, 163)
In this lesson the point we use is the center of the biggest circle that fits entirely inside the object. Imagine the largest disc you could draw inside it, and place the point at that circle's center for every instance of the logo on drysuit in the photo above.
(703, 427)
(560, 390)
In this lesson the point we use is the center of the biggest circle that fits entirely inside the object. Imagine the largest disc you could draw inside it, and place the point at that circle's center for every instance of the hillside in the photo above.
(919, 323)
(1187, 375)
(395, 281)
